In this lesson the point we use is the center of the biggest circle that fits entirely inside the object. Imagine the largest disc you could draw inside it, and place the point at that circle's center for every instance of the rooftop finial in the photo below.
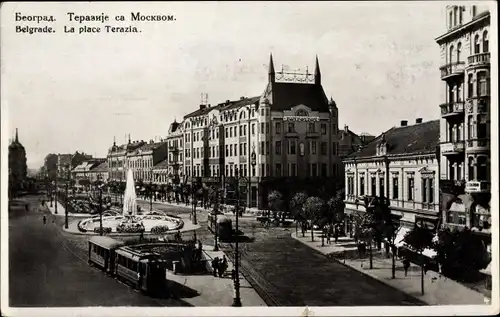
(17, 138)
(271, 68)
(317, 73)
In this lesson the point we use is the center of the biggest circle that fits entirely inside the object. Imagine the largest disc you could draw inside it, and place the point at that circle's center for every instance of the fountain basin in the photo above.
(158, 222)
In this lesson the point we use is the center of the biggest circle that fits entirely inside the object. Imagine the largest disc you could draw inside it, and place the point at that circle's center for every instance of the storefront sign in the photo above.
(473, 187)
(300, 118)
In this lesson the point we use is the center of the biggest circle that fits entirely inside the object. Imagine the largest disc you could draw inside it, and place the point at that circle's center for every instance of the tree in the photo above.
(313, 210)
(419, 239)
(335, 211)
(461, 254)
(366, 231)
(275, 200)
(296, 204)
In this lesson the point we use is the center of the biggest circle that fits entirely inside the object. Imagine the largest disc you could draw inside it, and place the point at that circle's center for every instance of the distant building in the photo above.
(50, 166)
(117, 159)
(175, 138)
(17, 165)
(99, 172)
(142, 159)
(83, 172)
(402, 164)
(350, 142)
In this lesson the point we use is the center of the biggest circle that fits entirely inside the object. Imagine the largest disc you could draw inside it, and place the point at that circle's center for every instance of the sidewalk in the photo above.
(438, 291)
(61, 210)
(216, 291)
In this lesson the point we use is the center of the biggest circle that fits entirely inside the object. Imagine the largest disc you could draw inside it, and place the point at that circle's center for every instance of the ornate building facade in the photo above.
(286, 137)
(465, 119)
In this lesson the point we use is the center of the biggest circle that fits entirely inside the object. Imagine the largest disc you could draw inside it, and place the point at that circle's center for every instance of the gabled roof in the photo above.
(238, 103)
(284, 96)
(102, 167)
(413, 139)
(162, 164)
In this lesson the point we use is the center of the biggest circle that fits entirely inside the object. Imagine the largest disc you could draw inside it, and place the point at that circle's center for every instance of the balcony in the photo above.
(291, 134)
(452, 69)
(455, 187)
(481, 59)
(478, 145)
(452, 148)
(172, 148)
(452, 109)
(312, 134)
(478, 187)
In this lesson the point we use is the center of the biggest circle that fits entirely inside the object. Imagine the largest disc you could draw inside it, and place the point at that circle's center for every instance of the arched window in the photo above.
(459, 92)
(451, 20)
(470, 128)
(485, 42)
(476, 44)
(455, 15)
(482, 85)
(301, 113)
(459, 50)
(482, 168)
(460, 10)
(451, 53)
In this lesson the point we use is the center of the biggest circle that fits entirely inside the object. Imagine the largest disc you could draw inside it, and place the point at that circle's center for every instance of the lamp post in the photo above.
(51, 193)
(67, 198)
(55, 196)
(99, 186)
(237, 299)
(151, 190)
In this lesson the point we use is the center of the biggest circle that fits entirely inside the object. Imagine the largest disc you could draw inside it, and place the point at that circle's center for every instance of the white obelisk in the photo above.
(129, 198)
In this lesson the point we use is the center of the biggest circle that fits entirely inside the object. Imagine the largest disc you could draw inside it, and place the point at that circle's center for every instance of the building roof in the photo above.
(99, 167)
(413, 139)
(284, 96)
(161, 165)
(151, 146)
(234, 104)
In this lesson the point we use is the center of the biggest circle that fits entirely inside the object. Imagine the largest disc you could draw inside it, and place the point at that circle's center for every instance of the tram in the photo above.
(222, 224)
(102, 252)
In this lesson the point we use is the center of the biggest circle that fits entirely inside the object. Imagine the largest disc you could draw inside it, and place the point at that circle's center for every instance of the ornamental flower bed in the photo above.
(105, 230)
(159, 229)
(130, 228)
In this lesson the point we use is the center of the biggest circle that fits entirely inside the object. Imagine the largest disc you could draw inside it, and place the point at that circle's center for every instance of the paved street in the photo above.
(46, 271)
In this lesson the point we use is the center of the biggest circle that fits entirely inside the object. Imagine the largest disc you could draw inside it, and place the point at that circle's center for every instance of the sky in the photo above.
(67, 92)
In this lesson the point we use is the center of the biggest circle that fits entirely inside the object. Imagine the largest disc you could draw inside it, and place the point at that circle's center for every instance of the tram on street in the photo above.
(222, 224)
(102, 252)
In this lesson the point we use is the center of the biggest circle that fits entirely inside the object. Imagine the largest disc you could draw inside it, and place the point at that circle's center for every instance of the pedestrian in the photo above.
(222, 266)
(215, 265)
(406, 266)
(328, 234)
(200, 250)
(44, 220)
(233, 275)
(139, 280)
(426, 268)
(27, 207)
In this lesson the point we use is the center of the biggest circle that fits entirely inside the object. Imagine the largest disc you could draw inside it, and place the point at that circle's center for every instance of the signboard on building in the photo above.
(473, 187)
(300, 118)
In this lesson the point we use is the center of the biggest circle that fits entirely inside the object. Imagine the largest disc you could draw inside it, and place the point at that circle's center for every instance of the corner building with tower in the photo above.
(465, 161)
(285, 139)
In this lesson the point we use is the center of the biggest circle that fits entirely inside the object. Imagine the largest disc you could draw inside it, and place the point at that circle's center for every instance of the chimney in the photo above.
(202, 107)
(242, 98)
(227, 101)
(346, 128)
(404, 123)
(419, 120)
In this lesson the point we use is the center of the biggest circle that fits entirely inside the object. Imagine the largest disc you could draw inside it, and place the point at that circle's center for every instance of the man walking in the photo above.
(406, 266)
(215, 265)
(44, 220)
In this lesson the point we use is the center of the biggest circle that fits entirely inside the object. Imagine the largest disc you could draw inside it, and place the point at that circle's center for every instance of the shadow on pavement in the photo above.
(178, 290)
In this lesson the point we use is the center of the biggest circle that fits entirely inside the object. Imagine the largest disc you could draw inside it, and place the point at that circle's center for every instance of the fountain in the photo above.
(130, 221)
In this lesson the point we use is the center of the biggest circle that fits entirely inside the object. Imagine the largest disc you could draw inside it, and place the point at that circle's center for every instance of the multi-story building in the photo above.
(17, 165)
(117, 159)
(50, 166)
(142, 159)
(289, 131)
(99, 171)
(175, 162)
(350, 142)
(465, 119)
(63, 165)
(402, 164)
(83, 172)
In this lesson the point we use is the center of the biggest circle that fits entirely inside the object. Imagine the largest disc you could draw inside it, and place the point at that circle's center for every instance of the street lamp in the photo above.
(237, 299)
(55, 196)
(51, 193)
(99, 186)
(151, 190)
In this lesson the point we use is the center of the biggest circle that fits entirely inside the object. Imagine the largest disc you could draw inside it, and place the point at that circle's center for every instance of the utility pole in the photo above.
(151, 190)
(55, 196)
(66, 203)
(100, 211)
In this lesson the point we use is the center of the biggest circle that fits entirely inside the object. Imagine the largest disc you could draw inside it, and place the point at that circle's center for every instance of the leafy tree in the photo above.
(296, 204)
(366, 232)
(335, 210)
(460, 253)
(313, 210)
(420, 238)
(275, 200)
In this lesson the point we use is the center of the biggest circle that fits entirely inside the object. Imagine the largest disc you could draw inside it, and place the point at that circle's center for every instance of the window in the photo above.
(311, 127)
(236, 150)
(411, 186)
(241, 130)
(482, 126)
(278, 127)
(293, 169)
(459, 50)
(382, 186)
(267, 127)
(455, 15)
(431, 190)
(227, 150)
(485, 42)
(314, 169)
(451, 93)
(482, 168)
(362, 186)
(291, 127)
(323, 128)
(395, 187)
(262, 127)
(452, 49)
(313, 147)
(470, 88)
(459, 92)
(482, 85)
(267, 147)
(267, 169)
(227, 132)
(334, 148)
(323, 170)
(451, 20)
(373, 186)
(292, 147)
(460, 17)
(470, 127)
(424, 190)
(278, 147)
(476, 44)
(262, 147)
(278, 170)
(323, 148)
(253, 128)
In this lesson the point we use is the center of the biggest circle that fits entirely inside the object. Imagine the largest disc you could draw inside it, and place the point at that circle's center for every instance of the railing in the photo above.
(478, 144)
(452, 147)
(452, 108)
(478, 59)
(455, 68)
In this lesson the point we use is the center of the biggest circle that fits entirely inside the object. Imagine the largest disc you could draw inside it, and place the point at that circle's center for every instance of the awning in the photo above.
(487, 270)
(398, 242)
(457, 207)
